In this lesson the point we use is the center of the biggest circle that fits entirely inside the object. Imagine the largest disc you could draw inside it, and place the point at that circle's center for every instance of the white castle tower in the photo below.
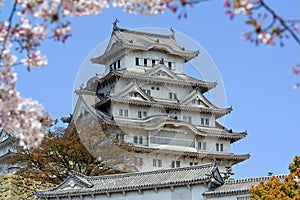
(144, 98)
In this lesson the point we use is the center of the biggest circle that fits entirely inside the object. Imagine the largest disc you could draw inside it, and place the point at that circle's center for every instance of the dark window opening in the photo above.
(153, 63)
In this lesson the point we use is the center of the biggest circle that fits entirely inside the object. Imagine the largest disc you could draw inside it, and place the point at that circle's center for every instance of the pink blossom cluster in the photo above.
(23, 118)
(267, 26)
(148, 7)
(296, 71)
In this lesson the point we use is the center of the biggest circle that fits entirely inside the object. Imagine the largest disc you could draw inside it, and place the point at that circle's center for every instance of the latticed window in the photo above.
(175, 164)
(121, 112)
(207, 122)
(157, 163)
(126, 113)
(201, 145)
(135, 139)
(172, 95)
(139, 114)
(219, 147)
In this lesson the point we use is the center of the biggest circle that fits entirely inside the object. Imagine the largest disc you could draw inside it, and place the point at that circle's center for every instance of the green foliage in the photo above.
(274, 188)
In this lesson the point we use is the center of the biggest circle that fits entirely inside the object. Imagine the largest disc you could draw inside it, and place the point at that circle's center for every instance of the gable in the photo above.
(195, 98)
(161, 71)
(132, 91)
(75, 181)
(162, 74)
(198, 102)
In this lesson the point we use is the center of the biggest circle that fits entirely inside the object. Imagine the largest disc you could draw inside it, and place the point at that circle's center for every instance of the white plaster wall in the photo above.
(167, 160)
(178, 193)
(129, 61)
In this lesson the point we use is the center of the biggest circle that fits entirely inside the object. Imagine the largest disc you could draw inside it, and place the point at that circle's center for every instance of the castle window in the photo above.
(171, 65)
(120, 137)
(145, 62)
(147, 92)
(207, 122)
(157, 163)
(172, 95)
(157, 88)
(201, 145)
(126, 113)
(219, 147)
(193, 163)
(175, 164)
(140, 114)
(144, 114)
(204, 121)
(119, 64)
(137, 63)
(133, 94)
(153, 63)
(190, 119)
(135, 139)
(121, 112)
(141, 140)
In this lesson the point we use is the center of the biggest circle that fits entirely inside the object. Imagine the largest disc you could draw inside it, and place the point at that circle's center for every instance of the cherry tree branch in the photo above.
(281, 20)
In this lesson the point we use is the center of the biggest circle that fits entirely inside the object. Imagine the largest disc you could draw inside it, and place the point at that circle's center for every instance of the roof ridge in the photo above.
(206, 165)
(253, 179)
(143, 32)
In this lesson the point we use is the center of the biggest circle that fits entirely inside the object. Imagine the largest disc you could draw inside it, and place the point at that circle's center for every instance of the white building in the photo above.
(146, 99)
(201, 182)
(7, 149)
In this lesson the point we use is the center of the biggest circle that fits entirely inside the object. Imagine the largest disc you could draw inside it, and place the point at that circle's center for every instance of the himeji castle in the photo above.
(154, 110)
(145, 98)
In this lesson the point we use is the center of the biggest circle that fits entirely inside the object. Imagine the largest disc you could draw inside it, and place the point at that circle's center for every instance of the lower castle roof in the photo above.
(236, 158)
(238, 186)
(80, 185)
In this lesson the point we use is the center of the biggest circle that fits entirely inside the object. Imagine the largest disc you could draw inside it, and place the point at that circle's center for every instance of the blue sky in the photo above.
(258, 80)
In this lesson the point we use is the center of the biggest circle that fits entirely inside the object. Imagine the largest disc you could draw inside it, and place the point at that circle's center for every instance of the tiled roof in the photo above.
(155, 121)
(219, 112)
(238, 186)
(137, 40)
(235, 158)
(183, 80)
(79, 185)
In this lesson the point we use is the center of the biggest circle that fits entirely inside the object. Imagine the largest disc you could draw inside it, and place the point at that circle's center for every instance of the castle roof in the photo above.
(147, 76)
(235, 158)
(238, 186)
(123, 40)
(80, 185)
(157, 121)
(219, 112)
